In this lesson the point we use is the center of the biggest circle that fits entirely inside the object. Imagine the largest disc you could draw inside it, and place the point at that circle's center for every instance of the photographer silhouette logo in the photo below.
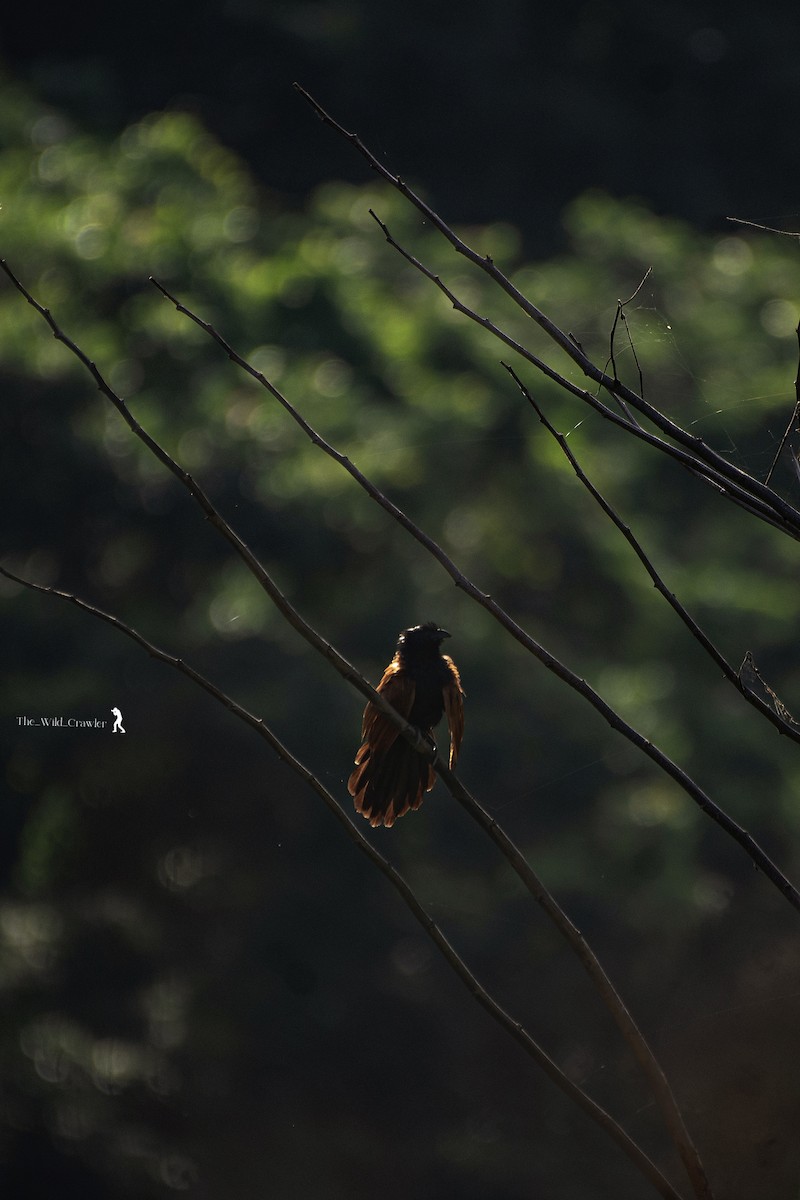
(117, 715)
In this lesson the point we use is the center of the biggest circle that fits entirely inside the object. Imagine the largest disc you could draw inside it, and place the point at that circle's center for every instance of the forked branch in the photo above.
(779, 717)
(701, 470)
(784, 514)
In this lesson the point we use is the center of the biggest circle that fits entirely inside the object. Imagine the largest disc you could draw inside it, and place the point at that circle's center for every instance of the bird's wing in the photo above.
(398, 688)
(453, 694)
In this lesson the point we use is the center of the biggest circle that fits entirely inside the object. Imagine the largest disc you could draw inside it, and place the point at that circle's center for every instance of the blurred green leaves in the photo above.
(371, 355)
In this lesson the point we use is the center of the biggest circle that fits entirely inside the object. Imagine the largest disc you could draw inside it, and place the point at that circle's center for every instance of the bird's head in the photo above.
(425, 638)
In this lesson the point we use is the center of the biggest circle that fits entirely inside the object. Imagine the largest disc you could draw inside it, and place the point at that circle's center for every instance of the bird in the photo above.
(390, 776)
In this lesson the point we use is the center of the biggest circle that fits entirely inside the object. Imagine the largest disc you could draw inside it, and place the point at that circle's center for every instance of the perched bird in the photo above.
(390, 776)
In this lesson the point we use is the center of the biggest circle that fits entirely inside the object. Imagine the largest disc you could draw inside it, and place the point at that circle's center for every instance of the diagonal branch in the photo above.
(476, 989)
(214, 518)
(792, 419)
(548, 660)
(620, 318)
(691, 442)
(786, 725)
(700, 469)
(624, 1020)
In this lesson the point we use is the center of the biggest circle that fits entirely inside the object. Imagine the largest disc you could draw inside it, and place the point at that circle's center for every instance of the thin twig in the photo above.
(786, 435)
(787, 726)
(476, 989)
(764, 228)
(700, 469)
(792, 419)
(694, 444)
(620, 316)
(749, 672)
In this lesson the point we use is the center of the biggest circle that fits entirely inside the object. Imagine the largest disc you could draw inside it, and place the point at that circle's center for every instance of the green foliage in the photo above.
(372, 355)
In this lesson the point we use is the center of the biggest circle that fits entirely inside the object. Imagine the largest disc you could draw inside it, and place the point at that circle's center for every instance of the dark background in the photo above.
(504, 111)
(223, 998)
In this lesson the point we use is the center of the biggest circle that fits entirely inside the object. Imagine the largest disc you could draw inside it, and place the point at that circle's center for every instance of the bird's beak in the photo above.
(444, 633)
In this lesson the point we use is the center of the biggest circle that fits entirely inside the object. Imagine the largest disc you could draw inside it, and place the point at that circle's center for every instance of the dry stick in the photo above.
(786, 726)
(685, 781)
(784, 440)
(764, 228)
(476, 989)
(792, 419)
(702, 470)
(749, 671)
(745, 839)
(620, 316)
(662, 1093)
(695, 444)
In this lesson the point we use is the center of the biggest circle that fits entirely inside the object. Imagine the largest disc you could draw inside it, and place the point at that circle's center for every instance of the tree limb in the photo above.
(784, 724)
(701, 470)
(624, 1020)
(548, 660)
(691, 442)
(792, 419)
(515, 1028)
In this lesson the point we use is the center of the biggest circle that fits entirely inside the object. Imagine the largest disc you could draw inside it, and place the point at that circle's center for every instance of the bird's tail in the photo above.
(387, 784)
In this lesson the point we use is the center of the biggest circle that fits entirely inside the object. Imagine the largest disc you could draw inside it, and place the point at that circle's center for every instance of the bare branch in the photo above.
(619, 316)
(684, 780)
(700, 469)
(786, 435)
(764, 228)
(221, 525)
(608, 993)
(475, 988)
(761, 859)
(749, 676)
(483, 261)
(779, 716)
(691, 442)
(792, 419)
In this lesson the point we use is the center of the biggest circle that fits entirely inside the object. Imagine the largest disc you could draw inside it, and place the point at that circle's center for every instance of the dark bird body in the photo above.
(422, 684)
